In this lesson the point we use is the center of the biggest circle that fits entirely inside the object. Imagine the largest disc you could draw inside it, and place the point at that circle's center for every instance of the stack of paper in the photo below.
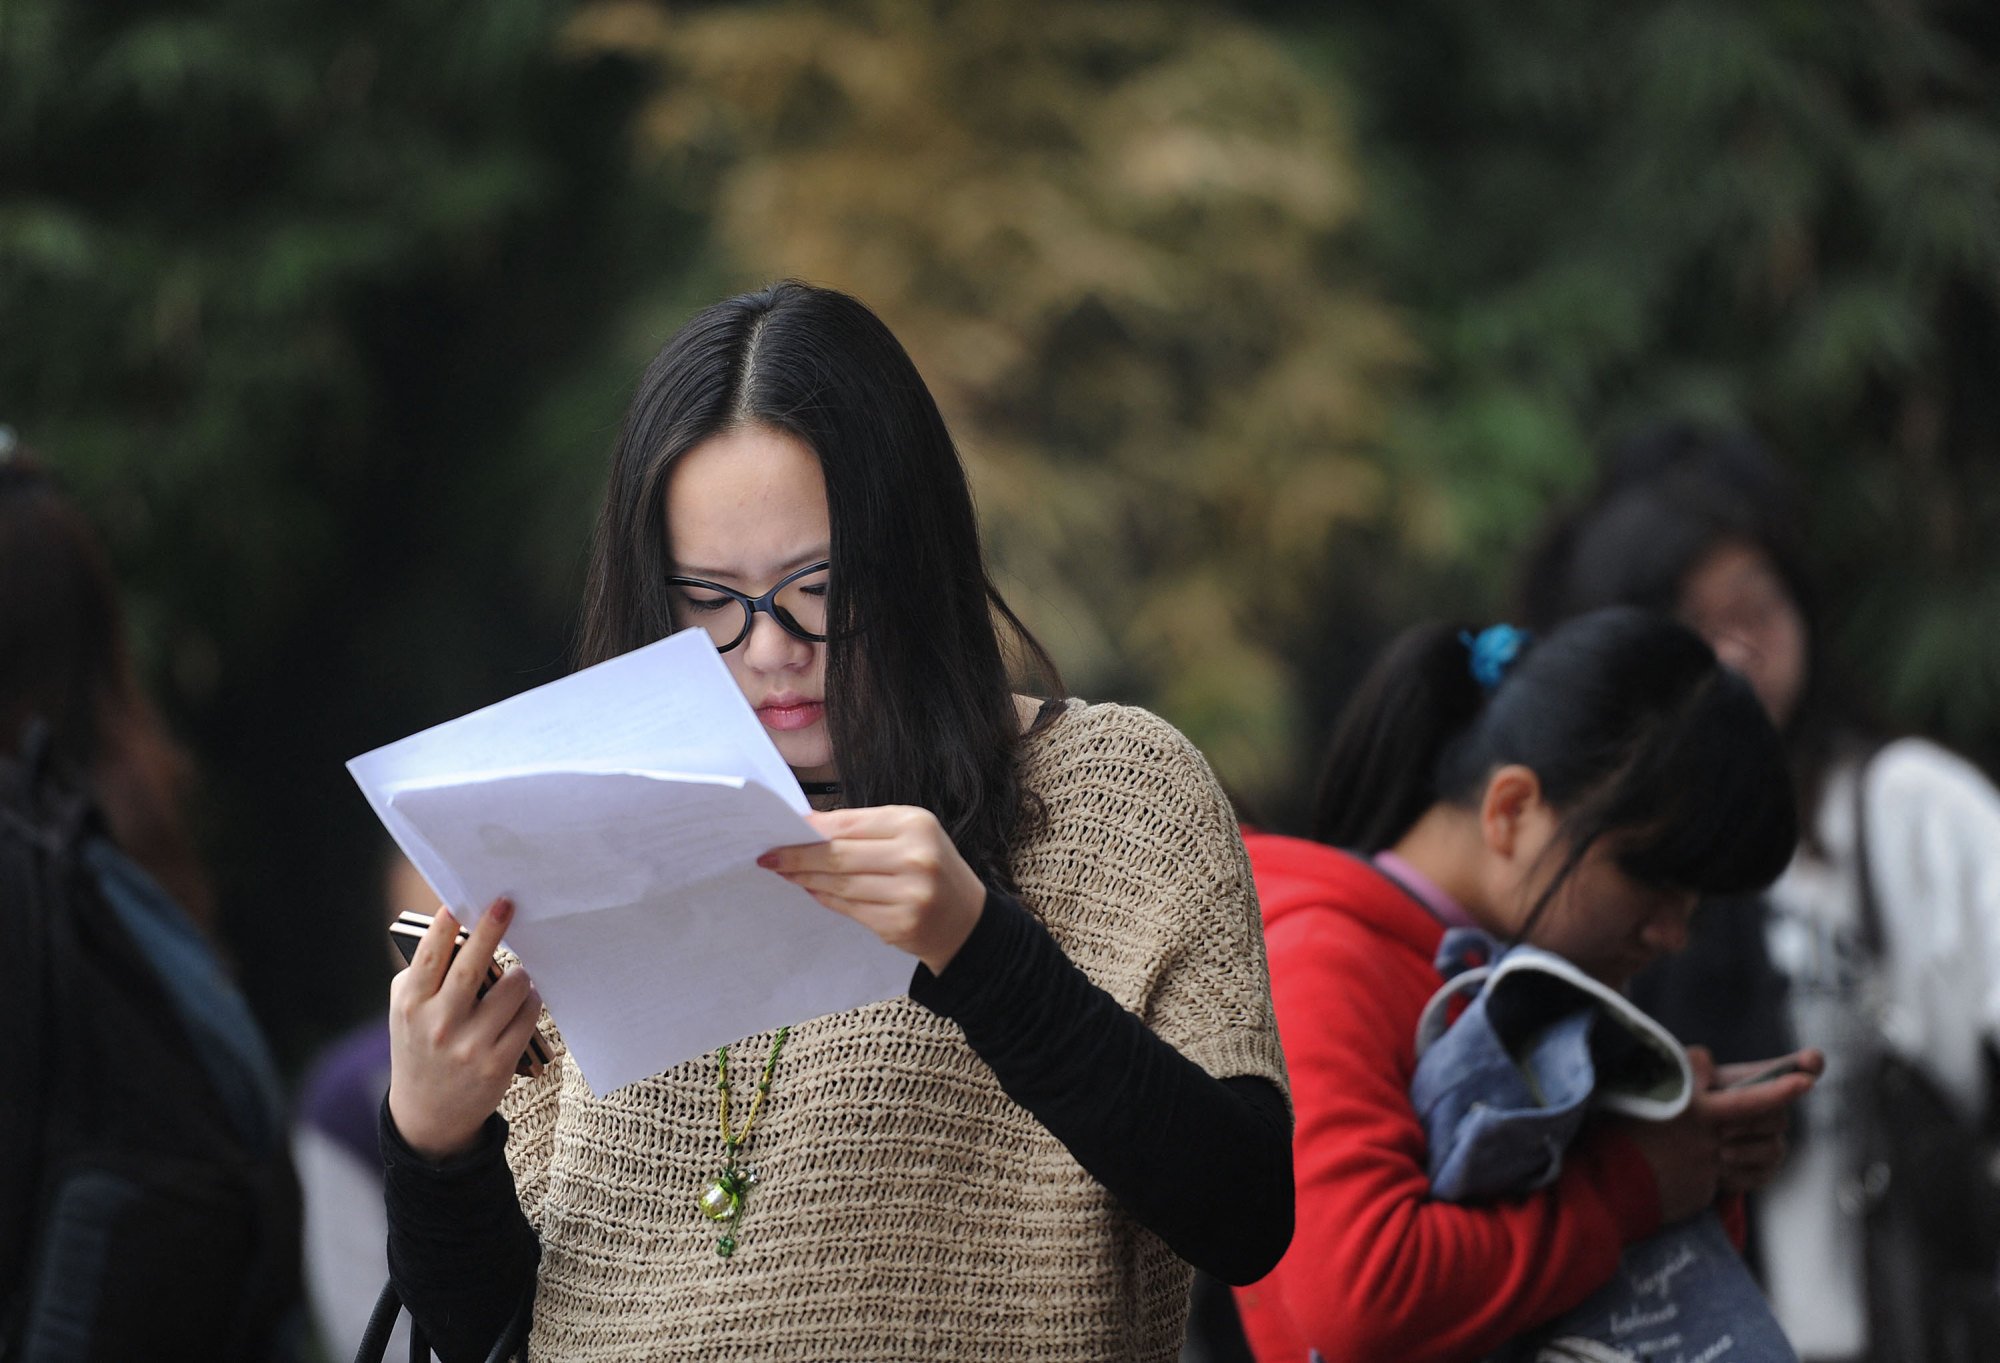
(623, 809)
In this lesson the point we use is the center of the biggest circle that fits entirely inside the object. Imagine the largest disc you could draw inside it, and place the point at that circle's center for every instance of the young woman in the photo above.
(1579, 796)
(1884, 932)
(1082, 1094)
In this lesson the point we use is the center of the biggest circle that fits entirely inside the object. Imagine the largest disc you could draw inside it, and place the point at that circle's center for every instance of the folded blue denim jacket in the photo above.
(1505, 1086)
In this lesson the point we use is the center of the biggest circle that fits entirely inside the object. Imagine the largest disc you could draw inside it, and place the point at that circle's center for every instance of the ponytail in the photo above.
(1381, 770)
(1625, 717)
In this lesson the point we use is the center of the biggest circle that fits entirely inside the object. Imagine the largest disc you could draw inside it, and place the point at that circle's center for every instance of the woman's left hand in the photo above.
(892, 869)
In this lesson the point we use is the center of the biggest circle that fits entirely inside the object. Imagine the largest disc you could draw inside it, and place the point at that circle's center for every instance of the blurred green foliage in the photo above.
(1761, 212)
(1112, 237)
(308, 303)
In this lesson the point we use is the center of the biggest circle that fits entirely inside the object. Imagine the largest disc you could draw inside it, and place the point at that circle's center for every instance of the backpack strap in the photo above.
(211, 1010)
(1870, 904)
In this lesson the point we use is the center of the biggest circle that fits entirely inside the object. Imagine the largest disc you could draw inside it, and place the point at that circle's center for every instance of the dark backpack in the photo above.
(148, 1208)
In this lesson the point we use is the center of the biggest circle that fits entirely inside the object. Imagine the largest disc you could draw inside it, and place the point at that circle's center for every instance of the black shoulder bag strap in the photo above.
(1864, 872)
(375, 1339)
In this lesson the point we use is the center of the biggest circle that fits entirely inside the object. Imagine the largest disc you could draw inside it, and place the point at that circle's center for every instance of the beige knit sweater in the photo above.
(909, 1209)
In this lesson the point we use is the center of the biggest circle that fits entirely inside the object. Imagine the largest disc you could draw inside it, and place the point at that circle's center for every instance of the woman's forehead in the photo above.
(1731, 566)
(745, 504)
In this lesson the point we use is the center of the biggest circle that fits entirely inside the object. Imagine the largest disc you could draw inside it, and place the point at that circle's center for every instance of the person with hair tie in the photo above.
(1880, 943)
(1575, 793)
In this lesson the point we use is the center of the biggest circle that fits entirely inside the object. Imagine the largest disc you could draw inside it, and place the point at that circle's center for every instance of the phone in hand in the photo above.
(409, 929)
(1789, 1065)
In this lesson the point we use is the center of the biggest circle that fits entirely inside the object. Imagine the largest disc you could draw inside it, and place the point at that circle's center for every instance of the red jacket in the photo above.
(1377, 1271)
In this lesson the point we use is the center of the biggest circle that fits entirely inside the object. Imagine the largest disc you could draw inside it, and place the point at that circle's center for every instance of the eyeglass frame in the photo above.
(767, 603)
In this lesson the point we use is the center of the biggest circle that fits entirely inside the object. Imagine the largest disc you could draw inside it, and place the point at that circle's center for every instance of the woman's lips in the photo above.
(791, 715)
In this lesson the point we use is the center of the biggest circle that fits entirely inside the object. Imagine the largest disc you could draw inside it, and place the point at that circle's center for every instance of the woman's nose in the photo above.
(771, 648)
(1667, 930)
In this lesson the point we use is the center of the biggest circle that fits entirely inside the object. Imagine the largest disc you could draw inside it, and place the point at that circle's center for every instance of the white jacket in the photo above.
(1934, 854)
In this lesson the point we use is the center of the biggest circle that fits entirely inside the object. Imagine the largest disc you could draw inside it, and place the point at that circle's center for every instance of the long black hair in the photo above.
(65, 667)
(1626, 718)
(919, 702)
(1667, 497)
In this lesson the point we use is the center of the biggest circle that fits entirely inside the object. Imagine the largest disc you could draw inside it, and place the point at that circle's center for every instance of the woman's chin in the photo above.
(808, 761)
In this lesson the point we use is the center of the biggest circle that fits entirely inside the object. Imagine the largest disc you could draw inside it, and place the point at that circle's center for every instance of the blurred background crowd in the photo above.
(1266, 327)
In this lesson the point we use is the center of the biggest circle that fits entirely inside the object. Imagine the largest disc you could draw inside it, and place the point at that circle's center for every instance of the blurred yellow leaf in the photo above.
(1104, 231)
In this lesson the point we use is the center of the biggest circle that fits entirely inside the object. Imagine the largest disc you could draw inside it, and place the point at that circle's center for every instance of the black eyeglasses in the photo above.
(798, 604)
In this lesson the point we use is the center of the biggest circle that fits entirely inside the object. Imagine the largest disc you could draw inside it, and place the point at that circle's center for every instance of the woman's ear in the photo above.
(1512, 812)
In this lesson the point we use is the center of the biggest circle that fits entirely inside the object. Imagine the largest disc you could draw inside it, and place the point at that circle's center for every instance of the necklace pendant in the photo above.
(721, 1200)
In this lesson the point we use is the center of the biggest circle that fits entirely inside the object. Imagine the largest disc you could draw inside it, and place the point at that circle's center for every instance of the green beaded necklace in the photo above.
(722, 1200)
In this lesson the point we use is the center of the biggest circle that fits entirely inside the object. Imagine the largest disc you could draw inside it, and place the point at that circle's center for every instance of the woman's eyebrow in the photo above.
(732, 575)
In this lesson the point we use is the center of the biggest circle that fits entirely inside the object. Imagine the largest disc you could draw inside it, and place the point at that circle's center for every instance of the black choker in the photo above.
(820, 787)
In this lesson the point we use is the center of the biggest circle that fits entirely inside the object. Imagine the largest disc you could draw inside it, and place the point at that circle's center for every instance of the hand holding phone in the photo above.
(1789, 1065)
(409, 929)
(1749, 1110)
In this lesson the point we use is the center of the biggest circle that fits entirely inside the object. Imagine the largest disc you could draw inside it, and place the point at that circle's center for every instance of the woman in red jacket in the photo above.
(1580, 793)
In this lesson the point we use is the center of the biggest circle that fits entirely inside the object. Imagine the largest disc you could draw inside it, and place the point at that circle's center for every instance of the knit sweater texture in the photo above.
(907, 1208)
(1377, 1270)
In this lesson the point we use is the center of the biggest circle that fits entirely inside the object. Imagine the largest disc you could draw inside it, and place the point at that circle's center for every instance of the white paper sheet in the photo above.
(622, 809)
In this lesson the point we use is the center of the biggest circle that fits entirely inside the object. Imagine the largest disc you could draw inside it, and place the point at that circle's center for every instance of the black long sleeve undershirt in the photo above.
(460, 1251)
(1204, 1164)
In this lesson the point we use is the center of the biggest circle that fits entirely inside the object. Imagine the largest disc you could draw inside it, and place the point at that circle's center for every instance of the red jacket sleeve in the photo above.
(1377, 1270)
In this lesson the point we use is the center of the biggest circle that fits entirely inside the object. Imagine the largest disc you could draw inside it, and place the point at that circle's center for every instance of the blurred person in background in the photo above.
(1577, 793)
(147, 1206)
(1880, 944)
(63, 661)
(340, 1161)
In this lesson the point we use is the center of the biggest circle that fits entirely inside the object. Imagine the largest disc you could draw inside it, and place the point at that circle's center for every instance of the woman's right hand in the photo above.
(452, 1051)
(1691, 1156)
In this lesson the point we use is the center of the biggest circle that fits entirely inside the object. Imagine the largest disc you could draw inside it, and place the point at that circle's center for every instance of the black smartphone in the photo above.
(1789, 1065)
(409, 929)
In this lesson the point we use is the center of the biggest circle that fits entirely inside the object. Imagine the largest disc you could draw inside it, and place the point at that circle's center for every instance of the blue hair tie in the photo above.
(1492, 651)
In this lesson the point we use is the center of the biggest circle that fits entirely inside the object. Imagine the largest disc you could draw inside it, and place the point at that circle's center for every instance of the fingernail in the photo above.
(769, 861)
(502, 910)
